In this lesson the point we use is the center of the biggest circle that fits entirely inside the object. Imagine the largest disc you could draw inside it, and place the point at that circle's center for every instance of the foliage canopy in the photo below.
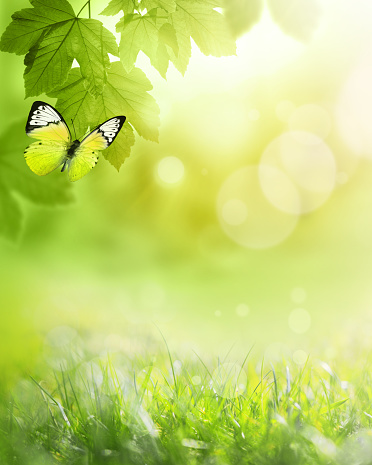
(106, 81)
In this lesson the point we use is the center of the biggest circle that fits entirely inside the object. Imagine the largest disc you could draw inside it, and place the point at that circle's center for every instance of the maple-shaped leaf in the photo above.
(30, 24)
(297, 18)
(167, 42)
(115, 6)
(57, 36)
(139, 32)
(206, 26)
(182, 58)
(16, 177)
(90, 43)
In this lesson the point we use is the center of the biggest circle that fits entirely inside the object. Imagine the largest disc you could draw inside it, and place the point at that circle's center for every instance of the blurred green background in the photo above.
(249, 223)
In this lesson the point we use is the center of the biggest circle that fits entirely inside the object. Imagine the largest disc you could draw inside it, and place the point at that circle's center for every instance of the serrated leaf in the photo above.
(168, 36)
(139, 32)
(167, 5)
(241, 15)
(15, 176)
(115, 6)
(297, 18)
(182, 58)
(57, 37)
(167, 39)
(117, 153)
(206, 26)
(90, 43)
(30, 23)
(49, 61)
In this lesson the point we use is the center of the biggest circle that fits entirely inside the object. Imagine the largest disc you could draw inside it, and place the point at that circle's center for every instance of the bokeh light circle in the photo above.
(229, 380)
(242, 310)
(302, 175)
(299, 320)
(262, 225)
(170, 170)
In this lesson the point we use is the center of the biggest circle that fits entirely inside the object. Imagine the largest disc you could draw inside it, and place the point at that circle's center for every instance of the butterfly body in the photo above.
(72, 149)
(55, 146)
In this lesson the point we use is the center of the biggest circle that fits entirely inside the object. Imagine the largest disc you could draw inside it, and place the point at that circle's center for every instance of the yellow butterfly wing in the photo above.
(86, 155)
(44, 157)
(45, 124)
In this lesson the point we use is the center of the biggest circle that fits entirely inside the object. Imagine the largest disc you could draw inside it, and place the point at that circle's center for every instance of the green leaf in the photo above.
(90, 44)
(29, 24)
(115, 6)
(54, 37)
(49, 61)
(124, 94)
(128, 92)
(139, 32)
(168, 36)
(117, 153)
(167, 40)
(167, 5)
(182, 58)
(297, 18)
(75, 103)
(15, 176)
(241, 15)
(206, 26)
(332, 406)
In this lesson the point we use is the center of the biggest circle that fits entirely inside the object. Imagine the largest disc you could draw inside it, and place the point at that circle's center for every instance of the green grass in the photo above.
(126, 409)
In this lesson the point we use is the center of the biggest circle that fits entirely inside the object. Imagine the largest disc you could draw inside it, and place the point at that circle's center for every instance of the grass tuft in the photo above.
(159, 411)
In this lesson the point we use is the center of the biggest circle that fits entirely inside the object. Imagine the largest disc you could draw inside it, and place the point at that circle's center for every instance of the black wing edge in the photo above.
(34, 106)
(97, 128)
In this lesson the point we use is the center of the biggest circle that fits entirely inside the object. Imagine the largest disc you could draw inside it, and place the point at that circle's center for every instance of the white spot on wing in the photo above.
(43, 116)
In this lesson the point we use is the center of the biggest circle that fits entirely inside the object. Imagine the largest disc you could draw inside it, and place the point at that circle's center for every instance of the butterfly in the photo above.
(55, 146)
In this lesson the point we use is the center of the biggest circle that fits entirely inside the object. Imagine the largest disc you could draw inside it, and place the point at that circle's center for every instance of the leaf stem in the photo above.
(82, 8)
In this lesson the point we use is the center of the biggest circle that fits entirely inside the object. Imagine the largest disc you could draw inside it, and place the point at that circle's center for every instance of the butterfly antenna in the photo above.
(72, 121)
